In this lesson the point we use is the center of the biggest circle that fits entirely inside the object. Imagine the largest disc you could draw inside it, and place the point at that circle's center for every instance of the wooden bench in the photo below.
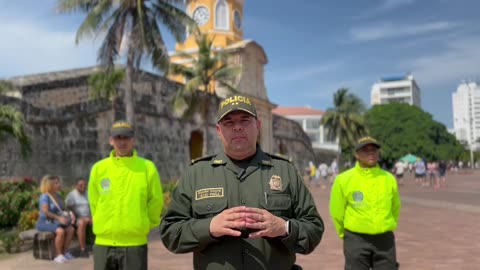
(43, 243)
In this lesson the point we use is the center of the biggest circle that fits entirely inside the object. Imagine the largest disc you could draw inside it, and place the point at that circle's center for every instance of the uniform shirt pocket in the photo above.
(278, 204)
(208, 207)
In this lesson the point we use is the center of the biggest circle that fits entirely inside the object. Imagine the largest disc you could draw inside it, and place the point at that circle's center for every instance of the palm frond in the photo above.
(13, 123)
(104, 85)
(5, 86)
(174, 19)
(68, 6)
(110, 47)
(155, 45)
(93, 21)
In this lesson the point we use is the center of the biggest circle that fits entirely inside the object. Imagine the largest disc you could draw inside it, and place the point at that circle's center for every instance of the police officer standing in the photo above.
(125, 200)
(365, 205)
(242, 208)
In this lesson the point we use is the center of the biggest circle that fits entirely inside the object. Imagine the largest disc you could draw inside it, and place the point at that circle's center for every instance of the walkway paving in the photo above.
(437, 231)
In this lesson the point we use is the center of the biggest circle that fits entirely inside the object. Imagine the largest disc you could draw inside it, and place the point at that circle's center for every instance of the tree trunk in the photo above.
(129, 95)
(206, 103)
(339, 153)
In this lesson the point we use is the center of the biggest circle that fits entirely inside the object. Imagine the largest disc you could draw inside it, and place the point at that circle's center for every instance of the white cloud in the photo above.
(459, 62)
(28, 48)
(385, 6)
(393, 4)
(389, 30)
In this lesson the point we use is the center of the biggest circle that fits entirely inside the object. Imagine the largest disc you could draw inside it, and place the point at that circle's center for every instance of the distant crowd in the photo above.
(426, 173)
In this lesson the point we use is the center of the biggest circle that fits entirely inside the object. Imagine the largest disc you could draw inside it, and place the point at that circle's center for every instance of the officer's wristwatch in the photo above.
(287, 227)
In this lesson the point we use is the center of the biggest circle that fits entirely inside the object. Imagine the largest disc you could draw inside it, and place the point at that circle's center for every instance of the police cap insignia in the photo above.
(364, 141)
(122, 128)
(236, 103)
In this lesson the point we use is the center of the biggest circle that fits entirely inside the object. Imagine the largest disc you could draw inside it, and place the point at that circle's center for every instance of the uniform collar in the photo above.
(123, 159)
(366, 171)
(260, 158)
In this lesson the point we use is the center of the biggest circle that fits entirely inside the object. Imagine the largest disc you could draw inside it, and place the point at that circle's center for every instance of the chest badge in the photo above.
(275, 183)
(105, 183)
(357, 196)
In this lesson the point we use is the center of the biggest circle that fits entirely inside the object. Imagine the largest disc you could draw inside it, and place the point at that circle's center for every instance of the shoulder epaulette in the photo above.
(201, 159)
(279, 156)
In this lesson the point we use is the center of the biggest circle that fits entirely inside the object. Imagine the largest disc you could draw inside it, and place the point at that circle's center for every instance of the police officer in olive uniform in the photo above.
(242, 208)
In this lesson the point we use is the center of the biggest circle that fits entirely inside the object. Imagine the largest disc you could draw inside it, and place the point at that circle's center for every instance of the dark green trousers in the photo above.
(364, 251)
(120, 258)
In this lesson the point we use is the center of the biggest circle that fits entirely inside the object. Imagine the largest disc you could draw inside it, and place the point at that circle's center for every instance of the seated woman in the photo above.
(52, 218)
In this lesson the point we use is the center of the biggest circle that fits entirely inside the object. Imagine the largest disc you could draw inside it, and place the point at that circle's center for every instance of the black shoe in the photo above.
(83, 254)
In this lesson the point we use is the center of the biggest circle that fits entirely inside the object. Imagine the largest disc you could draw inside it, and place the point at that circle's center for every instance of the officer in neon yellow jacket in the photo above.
(365, 205)
(126, 200)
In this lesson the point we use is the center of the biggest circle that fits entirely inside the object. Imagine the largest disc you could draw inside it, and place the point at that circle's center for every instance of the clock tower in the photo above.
(221, 19)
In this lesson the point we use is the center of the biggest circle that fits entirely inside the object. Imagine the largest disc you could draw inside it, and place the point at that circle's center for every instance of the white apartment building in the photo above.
(309, 120)
(466, 113)
(402, 89)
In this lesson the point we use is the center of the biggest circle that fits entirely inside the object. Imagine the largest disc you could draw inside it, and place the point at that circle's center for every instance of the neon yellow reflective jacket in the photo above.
(125, 199)
(365, 200)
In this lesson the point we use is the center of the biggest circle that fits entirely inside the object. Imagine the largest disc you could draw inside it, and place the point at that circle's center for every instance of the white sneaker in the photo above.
(68, 256)
(60, 259)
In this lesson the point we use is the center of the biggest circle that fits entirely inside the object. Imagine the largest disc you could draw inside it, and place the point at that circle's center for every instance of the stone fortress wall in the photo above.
(70, 133)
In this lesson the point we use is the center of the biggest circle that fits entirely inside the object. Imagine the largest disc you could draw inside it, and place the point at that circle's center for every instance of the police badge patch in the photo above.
(357, 196)
(276, 183)
(105, 183)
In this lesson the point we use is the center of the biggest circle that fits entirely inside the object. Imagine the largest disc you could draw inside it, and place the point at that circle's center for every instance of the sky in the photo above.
(313, 47)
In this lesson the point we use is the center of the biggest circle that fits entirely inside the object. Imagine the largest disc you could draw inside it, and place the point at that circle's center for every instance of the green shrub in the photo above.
(10, 241)
(28, 219)
(16, 196)
(167, 188)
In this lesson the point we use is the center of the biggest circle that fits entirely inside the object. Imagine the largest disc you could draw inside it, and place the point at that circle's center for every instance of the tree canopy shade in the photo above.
(345, 121)
(12, 122)
(403, 129)
(132, 27)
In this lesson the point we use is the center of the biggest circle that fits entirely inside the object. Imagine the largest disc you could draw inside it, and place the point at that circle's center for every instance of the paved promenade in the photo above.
(438, 230)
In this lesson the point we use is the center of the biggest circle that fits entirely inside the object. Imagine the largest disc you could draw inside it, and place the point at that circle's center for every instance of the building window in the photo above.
(313, 123)
(221, 15)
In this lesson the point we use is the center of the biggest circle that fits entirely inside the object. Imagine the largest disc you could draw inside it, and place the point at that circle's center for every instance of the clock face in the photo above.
(201, 15)
(237, 20)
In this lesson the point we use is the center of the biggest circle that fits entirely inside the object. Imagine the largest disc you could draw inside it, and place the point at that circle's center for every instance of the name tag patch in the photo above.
(208, 193)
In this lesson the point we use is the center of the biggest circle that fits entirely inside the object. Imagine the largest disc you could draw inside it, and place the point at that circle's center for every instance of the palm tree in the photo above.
(12, 122)
(105, 86)
(345, 120)
(133, 27)
(202, 72)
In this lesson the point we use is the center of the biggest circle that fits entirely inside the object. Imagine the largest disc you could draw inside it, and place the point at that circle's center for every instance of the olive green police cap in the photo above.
(236, 103)
(122, 128)
(364, 141)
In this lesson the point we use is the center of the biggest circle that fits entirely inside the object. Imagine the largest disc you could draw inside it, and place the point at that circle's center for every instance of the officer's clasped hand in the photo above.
(261, 222)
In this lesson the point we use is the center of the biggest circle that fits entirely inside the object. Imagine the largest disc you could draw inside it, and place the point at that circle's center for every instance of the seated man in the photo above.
(77, 201)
